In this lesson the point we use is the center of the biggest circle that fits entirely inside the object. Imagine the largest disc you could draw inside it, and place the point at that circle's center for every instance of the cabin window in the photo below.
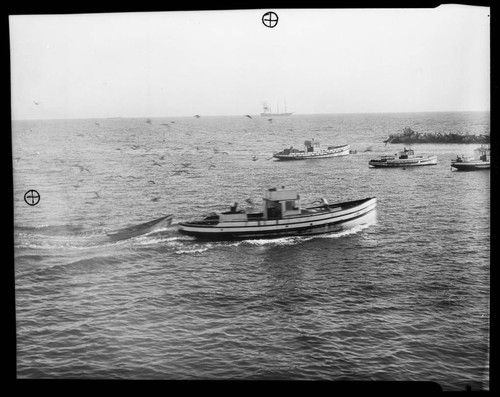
(291, 205)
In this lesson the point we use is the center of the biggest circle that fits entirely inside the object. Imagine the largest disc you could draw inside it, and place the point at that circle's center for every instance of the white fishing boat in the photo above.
(480, 160)
(312, 150)
(282, 216)
(405, 158)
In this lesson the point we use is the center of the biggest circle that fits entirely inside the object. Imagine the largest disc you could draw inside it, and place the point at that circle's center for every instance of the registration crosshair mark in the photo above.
(270, 19)
(32, 197)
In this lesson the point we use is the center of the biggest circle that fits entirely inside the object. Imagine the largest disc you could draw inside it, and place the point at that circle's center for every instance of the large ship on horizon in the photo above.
(269, 113)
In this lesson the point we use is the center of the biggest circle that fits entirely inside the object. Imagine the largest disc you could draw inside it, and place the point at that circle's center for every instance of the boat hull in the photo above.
(275, 114)
(337, 152)
(471, 166)
(414, 162)
(337, 218)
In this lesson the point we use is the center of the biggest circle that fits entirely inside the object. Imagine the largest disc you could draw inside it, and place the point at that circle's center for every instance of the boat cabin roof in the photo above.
(276, 194)
(406, 151)
(311, 143)
(483, 149)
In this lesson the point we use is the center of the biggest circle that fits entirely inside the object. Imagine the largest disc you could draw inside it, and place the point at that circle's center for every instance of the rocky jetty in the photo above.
(409, 136)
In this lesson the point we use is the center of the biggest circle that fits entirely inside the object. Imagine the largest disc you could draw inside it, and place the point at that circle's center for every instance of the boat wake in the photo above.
(165, 238)
(70, 237)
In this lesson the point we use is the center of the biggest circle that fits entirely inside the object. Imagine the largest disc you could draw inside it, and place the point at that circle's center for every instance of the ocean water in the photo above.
(404, 297)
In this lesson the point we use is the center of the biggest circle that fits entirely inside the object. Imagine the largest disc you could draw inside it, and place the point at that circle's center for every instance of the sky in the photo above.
(226, 62)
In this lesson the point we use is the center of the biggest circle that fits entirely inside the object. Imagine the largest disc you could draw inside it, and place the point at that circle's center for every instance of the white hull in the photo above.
(471, 165)
(413, 162)
(339, 151)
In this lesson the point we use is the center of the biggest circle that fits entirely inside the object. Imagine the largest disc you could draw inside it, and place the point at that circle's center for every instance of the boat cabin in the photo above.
(406, 153)
(311, 146)
(281, 203)
(482, 153)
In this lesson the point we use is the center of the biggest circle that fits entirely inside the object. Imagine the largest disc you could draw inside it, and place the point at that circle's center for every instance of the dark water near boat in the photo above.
(405, 298)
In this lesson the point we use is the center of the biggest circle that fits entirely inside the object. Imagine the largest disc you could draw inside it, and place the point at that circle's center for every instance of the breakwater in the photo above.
(410, 136)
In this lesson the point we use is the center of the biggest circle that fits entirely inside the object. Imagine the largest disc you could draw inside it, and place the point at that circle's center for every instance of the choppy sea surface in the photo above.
(402, 298)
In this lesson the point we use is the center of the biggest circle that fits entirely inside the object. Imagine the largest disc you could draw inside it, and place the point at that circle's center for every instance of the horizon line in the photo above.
(242, 115)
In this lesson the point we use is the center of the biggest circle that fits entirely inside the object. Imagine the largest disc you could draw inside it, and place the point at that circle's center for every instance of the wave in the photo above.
(50, 230)
(79, 237)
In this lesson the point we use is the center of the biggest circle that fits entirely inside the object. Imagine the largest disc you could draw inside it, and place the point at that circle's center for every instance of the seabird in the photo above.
(82, 168)
(177, 172)
(247, 115)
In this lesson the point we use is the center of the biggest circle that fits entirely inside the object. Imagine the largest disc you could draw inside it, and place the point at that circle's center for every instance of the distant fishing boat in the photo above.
(269, 113)
(404, 158)
(312, 150)
(282, 216)
(480, 160)
(143, 228)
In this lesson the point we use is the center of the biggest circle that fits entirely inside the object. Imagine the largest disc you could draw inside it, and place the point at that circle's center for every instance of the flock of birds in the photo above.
(182, 168)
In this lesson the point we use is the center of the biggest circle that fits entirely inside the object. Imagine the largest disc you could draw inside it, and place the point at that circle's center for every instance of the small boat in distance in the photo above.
(143, 228)
(480, 160)
(282, 216)
(312, 150)
(404, 158)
